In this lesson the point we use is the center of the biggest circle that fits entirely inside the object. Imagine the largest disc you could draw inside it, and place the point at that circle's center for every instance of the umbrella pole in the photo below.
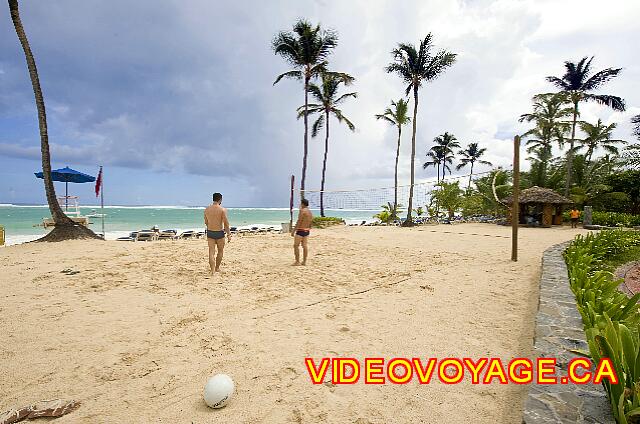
(66, 195)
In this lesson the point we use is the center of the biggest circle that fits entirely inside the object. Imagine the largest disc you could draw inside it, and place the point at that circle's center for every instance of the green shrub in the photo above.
(611, 320)
(326, 221)
(615, 219)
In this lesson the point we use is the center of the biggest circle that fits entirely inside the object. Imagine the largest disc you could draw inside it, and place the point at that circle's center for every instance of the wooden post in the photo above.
(515, 206)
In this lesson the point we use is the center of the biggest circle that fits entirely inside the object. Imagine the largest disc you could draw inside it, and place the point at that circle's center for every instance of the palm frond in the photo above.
(289, 74)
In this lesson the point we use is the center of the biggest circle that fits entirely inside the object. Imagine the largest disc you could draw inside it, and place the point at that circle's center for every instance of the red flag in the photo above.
(99, 182)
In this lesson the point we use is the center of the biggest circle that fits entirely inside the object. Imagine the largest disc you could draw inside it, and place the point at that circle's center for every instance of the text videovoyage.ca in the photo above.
(343, 370)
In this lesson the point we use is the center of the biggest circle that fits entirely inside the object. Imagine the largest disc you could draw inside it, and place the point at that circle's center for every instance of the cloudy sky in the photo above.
(175, 98)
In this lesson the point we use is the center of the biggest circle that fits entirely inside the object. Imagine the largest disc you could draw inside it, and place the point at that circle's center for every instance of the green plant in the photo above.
(326, 221)
(611, 319)
(389, 213)
(449, 196)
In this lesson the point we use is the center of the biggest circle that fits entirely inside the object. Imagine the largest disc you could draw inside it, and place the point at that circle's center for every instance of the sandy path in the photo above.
(136, 332)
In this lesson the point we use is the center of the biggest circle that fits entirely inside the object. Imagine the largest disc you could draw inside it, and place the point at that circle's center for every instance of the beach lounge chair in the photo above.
(187, 235)
(146, 235)
(167, 235)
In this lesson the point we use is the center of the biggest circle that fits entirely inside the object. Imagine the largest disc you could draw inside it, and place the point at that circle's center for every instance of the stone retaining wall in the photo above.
(559, 329)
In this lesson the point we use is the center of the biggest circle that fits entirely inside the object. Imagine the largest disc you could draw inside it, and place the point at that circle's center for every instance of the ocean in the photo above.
(23, 223)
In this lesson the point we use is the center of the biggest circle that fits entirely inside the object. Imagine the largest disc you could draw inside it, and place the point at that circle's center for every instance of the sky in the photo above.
(176, 98)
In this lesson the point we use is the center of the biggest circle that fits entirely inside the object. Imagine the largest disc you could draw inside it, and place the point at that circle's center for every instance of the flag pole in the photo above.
(104, 236)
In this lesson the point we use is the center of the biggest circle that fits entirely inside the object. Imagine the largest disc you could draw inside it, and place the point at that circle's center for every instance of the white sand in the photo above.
(136, 333)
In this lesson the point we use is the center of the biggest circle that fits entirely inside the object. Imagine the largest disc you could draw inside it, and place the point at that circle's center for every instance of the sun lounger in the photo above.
(146, 235)
(167, 235)
(187, 235)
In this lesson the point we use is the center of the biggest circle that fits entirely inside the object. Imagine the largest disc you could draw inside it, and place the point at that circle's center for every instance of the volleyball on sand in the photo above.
(218, 390)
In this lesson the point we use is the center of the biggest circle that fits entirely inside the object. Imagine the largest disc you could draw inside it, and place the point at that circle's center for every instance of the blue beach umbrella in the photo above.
(68, 175)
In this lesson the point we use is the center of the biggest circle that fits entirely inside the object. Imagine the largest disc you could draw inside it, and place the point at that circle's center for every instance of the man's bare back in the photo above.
(214, 217)
(217, 223)
(301, 232)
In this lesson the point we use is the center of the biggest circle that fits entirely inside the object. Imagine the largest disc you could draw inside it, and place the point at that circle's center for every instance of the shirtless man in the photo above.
(215, 219)
(301, 232)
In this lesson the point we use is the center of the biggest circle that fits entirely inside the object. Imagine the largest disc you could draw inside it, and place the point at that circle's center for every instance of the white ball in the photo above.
(218, 390)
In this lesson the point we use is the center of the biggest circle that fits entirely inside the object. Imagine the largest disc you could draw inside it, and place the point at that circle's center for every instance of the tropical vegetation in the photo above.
(328, 101)
(611, 319)
(396, 115)
(417, 67)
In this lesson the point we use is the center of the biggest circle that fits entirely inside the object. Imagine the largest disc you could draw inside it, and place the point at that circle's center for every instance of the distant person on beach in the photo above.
(574, 215)
(217, 223)
(301, 232)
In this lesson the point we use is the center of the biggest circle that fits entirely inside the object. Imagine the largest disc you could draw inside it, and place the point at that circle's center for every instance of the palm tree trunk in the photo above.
(395, 184)
(58, 216)
(438, 173)
(409, 221)
(306, 135)
(324, 163)
(470, 175)
(570, 152)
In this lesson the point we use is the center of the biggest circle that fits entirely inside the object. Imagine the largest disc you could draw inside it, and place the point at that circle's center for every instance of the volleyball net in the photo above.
(371, 199)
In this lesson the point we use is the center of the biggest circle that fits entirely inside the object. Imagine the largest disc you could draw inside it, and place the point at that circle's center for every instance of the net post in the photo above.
(291, 202)
(515, 205)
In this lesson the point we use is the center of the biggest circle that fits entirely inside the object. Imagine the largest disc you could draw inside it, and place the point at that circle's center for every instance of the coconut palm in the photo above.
(64, 228)
(436, 156)
(306, 49)
(470, 156)
(328, 100)
(416, 67)
(549, 112)
(577, 83)
(446, 143)
(397, 116)
(598, 135)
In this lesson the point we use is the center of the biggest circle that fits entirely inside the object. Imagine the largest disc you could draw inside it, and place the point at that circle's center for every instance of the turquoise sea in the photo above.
(22, 223)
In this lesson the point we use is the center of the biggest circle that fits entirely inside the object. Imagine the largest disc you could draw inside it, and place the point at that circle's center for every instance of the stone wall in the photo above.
(558, 330)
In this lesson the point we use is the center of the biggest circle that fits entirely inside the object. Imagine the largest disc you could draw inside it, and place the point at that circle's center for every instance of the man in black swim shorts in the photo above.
(301, 232)
(215, 219)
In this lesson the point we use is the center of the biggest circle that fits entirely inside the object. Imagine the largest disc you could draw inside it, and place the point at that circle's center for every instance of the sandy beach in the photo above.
(133, 330)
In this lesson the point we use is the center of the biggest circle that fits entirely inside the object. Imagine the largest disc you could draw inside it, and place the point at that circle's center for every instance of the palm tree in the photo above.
(436, 154)
(549, 110)
(598, 135)
(328, 100)
(396, 115)
(446, 143)
(416, 67)
(470, 156)
(64, 228)
(306, 49)
(578, 83)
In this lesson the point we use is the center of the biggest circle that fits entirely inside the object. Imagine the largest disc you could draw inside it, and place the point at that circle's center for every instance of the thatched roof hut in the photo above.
(540, 206)
(540, 195)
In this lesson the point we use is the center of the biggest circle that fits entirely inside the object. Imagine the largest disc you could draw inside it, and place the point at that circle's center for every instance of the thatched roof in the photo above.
(537, 194)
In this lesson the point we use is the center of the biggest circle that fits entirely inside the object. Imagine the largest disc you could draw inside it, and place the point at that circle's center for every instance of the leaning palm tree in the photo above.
(598, 135)
(328, 102)
(415, 67)
(306, 49)
(578, 83)
(470, 156)
(446, 143)
(64, 228)
(397, 116)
